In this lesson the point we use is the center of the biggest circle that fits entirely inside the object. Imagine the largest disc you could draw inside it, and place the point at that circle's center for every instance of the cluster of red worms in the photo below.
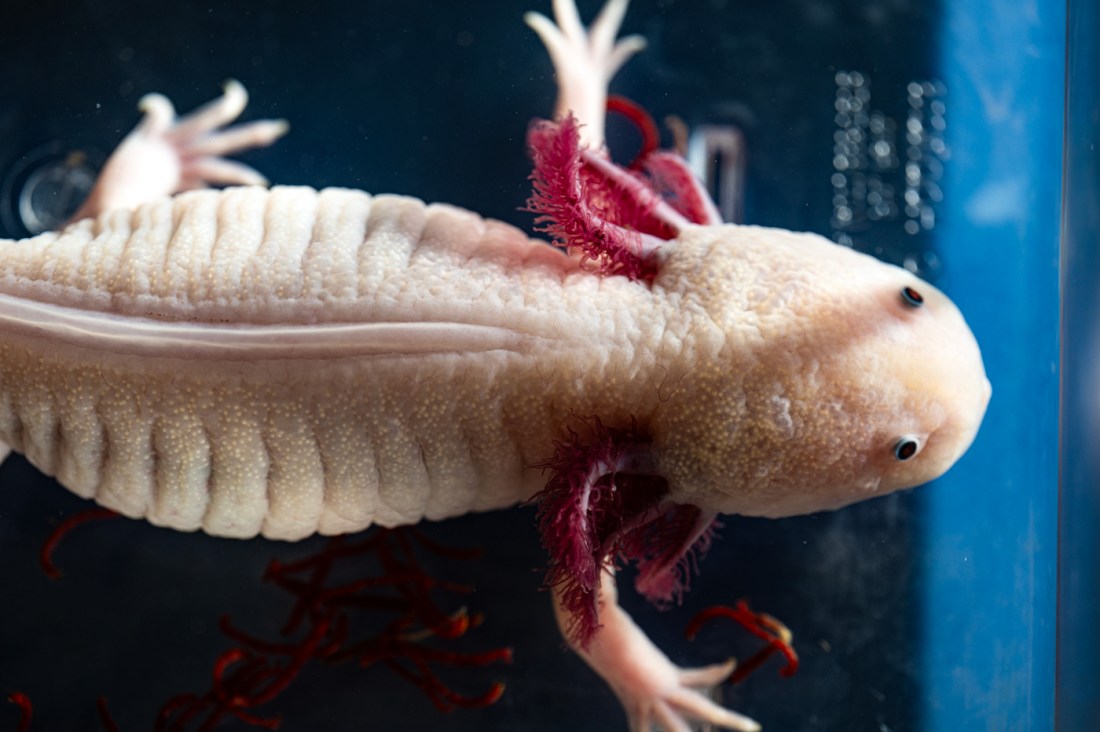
(318, 628)
(255, 671)
(763, 626)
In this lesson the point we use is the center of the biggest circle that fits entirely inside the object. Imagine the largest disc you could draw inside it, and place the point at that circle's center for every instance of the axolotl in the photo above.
(289, 361)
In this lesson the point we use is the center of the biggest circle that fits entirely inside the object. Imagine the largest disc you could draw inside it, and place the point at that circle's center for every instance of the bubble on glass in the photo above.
(886, 169)
(927, 218)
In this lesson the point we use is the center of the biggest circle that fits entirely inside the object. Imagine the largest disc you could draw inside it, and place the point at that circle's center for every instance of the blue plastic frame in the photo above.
(991, 524)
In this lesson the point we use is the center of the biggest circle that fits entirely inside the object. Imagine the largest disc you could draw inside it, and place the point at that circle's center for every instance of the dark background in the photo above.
(432, 99)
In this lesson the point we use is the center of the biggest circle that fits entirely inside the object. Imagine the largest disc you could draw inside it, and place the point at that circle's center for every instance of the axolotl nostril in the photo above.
(287, 361)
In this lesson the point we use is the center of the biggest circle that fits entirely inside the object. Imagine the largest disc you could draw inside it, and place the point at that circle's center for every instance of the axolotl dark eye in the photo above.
(906, 447)
(911, 297)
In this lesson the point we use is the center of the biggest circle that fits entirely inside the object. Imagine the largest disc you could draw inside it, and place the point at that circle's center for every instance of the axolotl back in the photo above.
(414, 361)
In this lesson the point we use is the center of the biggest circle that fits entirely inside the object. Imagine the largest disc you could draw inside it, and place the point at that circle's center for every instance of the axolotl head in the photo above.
(814, 376)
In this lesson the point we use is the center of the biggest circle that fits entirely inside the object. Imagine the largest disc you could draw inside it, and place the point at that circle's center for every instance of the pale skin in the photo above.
(289, 362)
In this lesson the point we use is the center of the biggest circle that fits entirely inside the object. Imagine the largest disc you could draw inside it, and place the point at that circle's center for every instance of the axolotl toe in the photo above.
(287, 361)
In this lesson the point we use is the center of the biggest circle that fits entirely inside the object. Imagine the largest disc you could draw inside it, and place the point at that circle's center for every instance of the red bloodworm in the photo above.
(461, 700)
(238, 689)
(252, 719)
(282, 679)
(745, 668)
(174, 705)
(226, 660)
(105, 717)
(247, 677)
(433, 618)
(307, 597)
(421, 604)
(430, 687)
(45, 556)
(642, 120)
(772, 632)
(26, 710)
(234, 693)
(337, 638)
(444, 698)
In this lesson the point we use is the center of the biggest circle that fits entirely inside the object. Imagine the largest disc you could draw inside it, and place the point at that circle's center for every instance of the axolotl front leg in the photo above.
(604, 501)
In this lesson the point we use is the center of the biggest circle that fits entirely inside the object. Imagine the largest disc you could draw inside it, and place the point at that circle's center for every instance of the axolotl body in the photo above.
(287, 361)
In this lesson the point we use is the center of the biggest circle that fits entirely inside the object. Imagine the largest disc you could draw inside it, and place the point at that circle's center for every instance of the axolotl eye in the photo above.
(911, 297)
(906, 447)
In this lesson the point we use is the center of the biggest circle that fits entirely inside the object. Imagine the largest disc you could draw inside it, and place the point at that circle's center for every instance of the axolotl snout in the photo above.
(829, 377)
(289, 361)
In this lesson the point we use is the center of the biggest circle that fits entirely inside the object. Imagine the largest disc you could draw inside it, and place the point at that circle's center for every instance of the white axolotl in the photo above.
(287, 361)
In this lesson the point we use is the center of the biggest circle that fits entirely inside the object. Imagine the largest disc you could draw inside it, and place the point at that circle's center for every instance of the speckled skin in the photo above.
(774, 371)
(808, 367)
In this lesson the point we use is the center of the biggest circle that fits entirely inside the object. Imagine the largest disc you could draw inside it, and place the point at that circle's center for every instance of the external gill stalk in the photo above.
(601, 504)
(620, 218)
(582, 208)
(668, 172)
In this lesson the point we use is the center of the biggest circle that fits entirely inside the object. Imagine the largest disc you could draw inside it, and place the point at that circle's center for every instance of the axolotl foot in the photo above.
(655, 693)
(165, 155)
(585, 60)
